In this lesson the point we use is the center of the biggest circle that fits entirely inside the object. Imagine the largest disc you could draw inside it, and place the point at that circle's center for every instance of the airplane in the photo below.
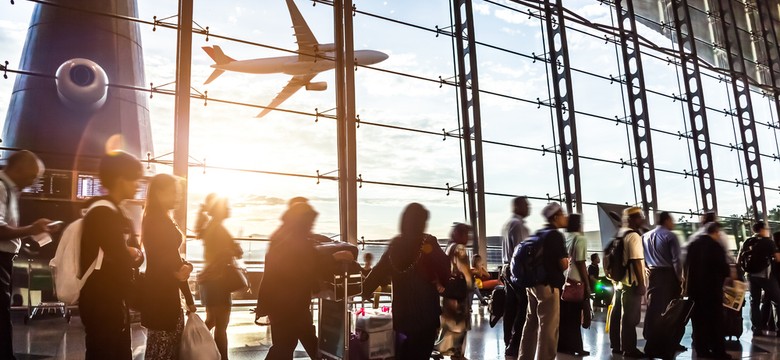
(303, 67)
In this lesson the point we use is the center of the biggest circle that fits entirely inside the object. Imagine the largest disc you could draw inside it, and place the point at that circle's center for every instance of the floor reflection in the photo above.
(56, 339)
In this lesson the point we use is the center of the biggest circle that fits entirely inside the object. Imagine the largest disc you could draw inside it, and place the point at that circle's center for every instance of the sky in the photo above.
(230, 136)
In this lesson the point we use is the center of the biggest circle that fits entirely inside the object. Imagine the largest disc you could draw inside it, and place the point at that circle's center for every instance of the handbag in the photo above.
(234, 278)
(573, 291)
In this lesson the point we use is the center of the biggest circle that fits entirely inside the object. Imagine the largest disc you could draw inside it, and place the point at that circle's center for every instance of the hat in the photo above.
(631, 211)
(550, 210)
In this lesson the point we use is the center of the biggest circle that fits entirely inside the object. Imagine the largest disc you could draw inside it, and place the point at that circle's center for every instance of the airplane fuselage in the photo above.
(293, 65)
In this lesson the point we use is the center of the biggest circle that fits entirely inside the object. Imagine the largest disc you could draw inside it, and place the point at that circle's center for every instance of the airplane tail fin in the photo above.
(216, 54)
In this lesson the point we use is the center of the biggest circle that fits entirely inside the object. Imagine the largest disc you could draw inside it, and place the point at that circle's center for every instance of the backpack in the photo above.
(66, 264)
(527, 264)
(751, 260)
(615, 268)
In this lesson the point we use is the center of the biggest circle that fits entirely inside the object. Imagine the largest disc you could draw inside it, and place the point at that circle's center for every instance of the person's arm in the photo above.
(580, 253)
(438, 261)
(559, 248)
(377, 277)
(636, 260)
(674, 247)
(184, 287)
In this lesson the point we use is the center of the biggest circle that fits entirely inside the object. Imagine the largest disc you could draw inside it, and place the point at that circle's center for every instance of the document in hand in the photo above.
(734, 295)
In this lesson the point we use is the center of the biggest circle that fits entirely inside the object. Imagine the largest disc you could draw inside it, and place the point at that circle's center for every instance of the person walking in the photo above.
(220, 251)
(706, 269)
(755, 257)
(516, 303)
(166, 272)
(22, 169)
(540, 332)
(662, 257)
(103, 300)
(456, 312)
(291, 276)
(626, 305)
(418, 268)
(575, 312)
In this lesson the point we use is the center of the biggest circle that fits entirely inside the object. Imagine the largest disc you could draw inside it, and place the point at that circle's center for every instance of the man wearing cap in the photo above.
(626, 305)
(540, 333)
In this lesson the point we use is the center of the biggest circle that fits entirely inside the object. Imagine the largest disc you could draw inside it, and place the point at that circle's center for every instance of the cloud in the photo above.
(515, 17)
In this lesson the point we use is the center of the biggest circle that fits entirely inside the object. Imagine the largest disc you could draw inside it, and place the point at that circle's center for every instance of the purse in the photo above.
(573, 291)
(234, 278)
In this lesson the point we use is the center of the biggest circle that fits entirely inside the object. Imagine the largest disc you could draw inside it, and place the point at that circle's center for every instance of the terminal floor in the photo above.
(55, 339)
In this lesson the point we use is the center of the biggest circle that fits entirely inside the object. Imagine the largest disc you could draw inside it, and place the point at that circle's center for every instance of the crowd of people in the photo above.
(432, 288)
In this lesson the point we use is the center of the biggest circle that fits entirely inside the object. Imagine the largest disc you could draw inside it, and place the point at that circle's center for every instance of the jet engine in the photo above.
(317, 86)
(82, 84)
(321, 48)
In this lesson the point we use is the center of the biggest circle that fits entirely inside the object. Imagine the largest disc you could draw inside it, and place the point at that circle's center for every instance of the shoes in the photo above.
(634, 354)
(583, 353)
(723, 356)
(616, 351)
(680, 348)
(757, 333)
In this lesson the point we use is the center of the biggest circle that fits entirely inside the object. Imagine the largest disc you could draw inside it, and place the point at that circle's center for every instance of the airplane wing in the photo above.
(303, 35)
(291, 88)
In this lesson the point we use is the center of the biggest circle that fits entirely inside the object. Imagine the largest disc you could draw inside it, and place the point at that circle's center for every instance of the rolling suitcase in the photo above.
(732, 323)
(670, 329)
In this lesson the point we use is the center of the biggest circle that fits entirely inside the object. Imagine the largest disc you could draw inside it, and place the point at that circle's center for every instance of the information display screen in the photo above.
(88, 186)
(52, 185)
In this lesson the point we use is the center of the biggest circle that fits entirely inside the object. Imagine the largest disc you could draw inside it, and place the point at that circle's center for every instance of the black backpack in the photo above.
(614, 267)
(527, 265)
(751, 260)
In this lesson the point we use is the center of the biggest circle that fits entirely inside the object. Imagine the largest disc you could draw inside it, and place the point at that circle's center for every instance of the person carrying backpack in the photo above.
(540, 333)
(755, 258)
(623, 265)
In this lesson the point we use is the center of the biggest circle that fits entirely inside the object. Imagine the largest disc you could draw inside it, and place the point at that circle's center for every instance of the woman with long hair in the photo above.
(418, 269)
(456, 309)
(573, 311)
(166, 272)
(219, 253)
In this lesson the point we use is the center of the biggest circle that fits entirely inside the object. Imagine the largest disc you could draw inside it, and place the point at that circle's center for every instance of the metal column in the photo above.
(740, 87)
(564, 103)
(771, 48)
(181, 142)
(468, 85)
(694, 95)
(637, 104)
(345, 119)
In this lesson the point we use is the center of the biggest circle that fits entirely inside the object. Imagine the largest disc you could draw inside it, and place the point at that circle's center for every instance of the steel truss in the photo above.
(637, 103)
(694, 99)
(564, 103)
(468, 84)
(740, 87)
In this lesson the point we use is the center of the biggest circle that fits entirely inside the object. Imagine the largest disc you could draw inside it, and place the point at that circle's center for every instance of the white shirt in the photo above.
(577, 246)
(9, 213)
(513, 234)
(632, 250)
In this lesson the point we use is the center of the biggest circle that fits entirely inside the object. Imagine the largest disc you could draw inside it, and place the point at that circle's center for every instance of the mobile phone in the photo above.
(54, 223)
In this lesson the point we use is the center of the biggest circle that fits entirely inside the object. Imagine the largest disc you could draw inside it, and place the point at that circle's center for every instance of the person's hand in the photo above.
(39, 226)
(343, 255)
(184, 272)
(440, 288)
(191, 309)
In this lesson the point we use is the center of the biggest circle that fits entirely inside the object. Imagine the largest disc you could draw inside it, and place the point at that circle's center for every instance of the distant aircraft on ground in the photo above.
(303, 67)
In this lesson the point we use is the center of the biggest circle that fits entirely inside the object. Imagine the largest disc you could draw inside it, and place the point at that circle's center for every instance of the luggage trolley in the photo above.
(335, 315)
(42, 280)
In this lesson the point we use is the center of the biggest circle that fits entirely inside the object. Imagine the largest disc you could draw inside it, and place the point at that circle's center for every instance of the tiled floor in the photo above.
(55, 339)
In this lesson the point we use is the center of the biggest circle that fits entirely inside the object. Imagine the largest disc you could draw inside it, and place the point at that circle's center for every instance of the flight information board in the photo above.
(52, 185)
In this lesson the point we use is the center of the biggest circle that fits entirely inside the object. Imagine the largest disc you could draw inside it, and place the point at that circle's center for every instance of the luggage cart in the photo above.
(334, 316)
(42, 280)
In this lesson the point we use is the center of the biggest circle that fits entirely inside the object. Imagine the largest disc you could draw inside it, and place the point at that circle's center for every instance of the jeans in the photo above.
(287, 330)
(515, 310)
(626, 313)
(758, 286)
(540, 333)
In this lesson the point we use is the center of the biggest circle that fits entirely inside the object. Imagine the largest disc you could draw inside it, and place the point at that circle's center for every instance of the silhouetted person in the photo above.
(219, 251)
(593, 270)
(706, 270)
(103, 299)
(456, 312)
(626, 305)
(662, 257)
(291, 275)
(415, 264)
(540, 333)
(574, 312)
(763, 250)
(21, 171)
(516, 305)
(166, 272)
